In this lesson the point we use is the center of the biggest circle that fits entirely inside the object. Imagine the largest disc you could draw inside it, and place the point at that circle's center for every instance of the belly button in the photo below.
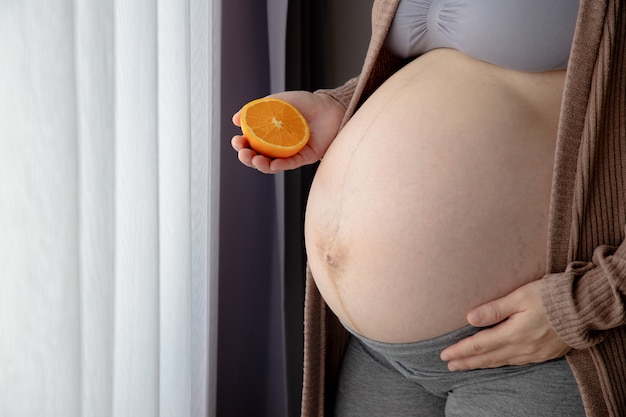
(331, 256)
(333, 262)
(329, 259)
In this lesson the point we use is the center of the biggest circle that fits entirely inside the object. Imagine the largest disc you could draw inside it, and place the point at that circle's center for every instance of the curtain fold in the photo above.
(95, 78)
(136, 214)
(109, 166)
(40, 341)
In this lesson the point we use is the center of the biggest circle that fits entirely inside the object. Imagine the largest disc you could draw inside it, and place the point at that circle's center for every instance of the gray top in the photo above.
(526, 35)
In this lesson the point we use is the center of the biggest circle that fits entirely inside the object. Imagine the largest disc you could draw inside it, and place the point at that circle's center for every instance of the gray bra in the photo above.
(527, 35)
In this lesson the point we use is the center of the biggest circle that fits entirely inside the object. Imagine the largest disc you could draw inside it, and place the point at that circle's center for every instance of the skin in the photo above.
(324, 115)
(521, 332)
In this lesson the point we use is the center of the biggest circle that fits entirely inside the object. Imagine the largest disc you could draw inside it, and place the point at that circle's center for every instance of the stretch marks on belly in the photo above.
(334, 252)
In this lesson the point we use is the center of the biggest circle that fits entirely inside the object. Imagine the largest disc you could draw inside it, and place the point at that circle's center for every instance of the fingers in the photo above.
(239, 142)
(522, 336)
(237, 119)
(496, 359)
(486, 349)
(488, 314)
(493, 350)
(496, 311)
(250, 158)
(476, 345)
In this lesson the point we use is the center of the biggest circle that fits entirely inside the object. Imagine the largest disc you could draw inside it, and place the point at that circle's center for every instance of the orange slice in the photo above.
(274, 128)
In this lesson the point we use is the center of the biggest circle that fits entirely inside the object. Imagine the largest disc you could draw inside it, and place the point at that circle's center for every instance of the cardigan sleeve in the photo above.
(589, 298)
(584, 296)
(342, 94)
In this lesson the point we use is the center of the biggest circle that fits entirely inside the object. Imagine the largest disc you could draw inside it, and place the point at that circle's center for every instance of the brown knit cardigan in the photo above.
(584, 295)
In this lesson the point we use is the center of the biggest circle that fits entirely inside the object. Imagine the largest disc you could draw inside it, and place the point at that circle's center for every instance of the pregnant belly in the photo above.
(434, 197)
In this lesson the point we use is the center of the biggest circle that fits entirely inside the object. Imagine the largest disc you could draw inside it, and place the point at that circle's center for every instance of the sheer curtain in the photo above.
(109, 176)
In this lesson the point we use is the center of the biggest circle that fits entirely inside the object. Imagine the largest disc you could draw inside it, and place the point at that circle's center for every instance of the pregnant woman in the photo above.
(466, 177)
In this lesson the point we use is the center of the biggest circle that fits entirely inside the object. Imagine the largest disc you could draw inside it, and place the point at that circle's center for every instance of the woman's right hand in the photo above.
(324, 115)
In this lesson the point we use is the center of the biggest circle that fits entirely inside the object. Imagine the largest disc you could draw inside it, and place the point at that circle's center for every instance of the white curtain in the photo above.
(109, 166)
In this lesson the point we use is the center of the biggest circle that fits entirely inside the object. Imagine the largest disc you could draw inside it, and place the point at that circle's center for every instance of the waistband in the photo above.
(423, 354)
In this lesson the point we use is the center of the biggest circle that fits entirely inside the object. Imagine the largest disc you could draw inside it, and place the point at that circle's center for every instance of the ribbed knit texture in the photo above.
(587, 302)
(315, 350)
(585, 294)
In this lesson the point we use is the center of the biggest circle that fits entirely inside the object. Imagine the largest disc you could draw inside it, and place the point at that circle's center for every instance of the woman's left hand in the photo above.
(521, 335)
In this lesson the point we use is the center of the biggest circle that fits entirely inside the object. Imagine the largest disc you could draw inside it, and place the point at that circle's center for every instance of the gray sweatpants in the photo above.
(409, 379)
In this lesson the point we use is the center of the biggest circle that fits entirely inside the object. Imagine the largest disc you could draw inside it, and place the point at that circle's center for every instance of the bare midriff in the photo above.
(434, 198)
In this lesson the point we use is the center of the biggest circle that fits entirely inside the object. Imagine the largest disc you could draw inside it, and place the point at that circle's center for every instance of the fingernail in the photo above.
(475, 317)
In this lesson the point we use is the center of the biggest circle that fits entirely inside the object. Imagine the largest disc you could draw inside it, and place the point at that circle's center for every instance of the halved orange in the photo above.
(274, 127)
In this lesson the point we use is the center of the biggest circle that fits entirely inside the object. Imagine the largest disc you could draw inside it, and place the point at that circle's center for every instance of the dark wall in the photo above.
(326, 44)
(259, 367)
(250, 372)
(348, 34)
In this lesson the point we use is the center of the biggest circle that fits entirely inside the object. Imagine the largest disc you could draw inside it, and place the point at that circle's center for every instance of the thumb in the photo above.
(237, 119)
(492, 312)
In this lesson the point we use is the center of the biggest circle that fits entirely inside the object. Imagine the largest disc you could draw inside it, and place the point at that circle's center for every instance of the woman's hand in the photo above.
(522, 334)
(324, 115)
